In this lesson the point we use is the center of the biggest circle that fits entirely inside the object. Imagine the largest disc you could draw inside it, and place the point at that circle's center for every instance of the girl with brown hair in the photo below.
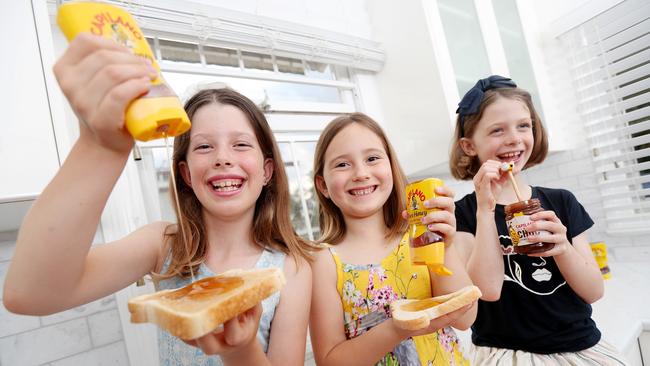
(361, 191)
(234, 205)
(535, 307)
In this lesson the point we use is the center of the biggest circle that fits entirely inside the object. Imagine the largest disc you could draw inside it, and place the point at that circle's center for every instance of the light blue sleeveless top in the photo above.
(173, 351)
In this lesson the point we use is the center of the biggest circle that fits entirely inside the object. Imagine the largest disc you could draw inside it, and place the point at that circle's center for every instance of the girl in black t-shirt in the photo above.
(535, 308)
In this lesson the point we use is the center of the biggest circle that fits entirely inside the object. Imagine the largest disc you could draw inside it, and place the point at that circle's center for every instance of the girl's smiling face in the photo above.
(357, 174)
(225, 166)
(504, 133)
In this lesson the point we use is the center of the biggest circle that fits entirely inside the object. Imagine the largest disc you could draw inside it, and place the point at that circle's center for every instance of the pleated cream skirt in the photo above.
(602, 354)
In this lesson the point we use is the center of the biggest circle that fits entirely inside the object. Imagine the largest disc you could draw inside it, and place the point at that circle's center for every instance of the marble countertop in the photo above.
(623, 313)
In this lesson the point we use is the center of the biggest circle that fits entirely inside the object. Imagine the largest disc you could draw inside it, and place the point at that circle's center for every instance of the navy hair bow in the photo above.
(473, 98)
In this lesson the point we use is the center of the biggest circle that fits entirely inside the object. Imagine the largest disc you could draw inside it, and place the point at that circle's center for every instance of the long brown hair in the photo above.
(271, 221)
(332, 224)
(463, 166)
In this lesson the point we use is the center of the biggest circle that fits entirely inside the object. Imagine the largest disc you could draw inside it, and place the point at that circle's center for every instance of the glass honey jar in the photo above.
(518, 219)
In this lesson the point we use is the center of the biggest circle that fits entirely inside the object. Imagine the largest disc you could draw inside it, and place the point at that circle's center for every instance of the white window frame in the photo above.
(292, 139)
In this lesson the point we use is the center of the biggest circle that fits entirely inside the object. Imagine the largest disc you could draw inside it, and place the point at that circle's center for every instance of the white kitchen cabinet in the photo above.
(28, 151)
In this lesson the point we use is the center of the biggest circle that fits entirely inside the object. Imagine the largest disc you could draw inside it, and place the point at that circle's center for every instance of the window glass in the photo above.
(319, 70)
(179, 51)
(514, 45)
(185, 85)
(304, 153)
(257, 61)
(465, 42)
(221, 57)
(290, 65)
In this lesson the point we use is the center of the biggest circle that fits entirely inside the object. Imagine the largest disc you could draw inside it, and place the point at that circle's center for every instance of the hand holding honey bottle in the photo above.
(109, 75)
(100, 77)
(430, 208)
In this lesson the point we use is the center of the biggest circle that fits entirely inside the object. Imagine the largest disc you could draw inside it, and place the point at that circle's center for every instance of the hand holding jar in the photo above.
(546, 227)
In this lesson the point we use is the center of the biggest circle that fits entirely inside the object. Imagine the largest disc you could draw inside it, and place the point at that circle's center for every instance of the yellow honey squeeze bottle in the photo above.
(427, 247)
(599, 250)
(158, 113)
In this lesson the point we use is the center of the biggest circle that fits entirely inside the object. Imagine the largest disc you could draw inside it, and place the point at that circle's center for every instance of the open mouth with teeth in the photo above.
(226, 185)
(510, 157)
(363, 191)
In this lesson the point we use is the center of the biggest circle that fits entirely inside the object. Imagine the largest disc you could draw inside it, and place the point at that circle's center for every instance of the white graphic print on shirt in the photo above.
(530, 273)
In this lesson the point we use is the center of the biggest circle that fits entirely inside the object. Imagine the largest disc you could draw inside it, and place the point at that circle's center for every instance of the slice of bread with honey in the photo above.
(416, 314)
(200, 307)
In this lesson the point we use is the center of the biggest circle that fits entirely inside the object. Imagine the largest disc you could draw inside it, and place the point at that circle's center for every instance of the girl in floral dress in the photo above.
(367, 263)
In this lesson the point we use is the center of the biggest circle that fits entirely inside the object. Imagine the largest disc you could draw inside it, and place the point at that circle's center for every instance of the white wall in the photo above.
(86, 335)
(416, 116)
(89, 334)
(561, 15)
(550, 11)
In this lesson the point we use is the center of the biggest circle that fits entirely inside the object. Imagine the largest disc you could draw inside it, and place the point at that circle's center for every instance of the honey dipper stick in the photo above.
(507, 167)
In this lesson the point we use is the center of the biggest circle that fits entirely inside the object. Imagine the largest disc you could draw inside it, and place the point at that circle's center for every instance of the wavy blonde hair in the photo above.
(271, 221)
(465, 167)
(331, 219)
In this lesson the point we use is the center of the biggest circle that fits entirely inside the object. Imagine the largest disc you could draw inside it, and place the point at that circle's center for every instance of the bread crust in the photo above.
(415, 320)
(187, 319)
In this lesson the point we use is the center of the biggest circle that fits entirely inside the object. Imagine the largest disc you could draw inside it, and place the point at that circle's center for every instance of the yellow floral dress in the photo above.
(366, 292)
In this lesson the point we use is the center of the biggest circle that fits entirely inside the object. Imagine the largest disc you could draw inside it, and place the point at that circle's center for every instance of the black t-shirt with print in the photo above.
(537, 311)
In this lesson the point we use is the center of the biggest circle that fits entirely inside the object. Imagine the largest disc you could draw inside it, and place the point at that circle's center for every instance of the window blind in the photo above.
(610, 58)
(213, 26)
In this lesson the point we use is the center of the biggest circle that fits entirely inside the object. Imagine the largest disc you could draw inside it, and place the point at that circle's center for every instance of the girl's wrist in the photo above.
(90, 146)
(250, 351)
(400, 333)
(485, 212)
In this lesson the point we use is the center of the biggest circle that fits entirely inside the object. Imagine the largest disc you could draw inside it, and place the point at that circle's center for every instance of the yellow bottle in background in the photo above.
(599, 249)
(153, 115)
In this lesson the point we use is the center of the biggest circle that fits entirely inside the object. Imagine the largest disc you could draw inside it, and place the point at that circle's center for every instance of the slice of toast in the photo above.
(416, 314)
(200, 307)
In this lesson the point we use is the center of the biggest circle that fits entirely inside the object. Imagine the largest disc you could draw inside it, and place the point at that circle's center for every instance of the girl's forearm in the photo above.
(57, 232)
(584, 278)
(253, 355)
(366, 349)
(485, 265)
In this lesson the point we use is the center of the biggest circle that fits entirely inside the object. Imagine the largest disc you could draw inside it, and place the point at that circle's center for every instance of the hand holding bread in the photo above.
(200, 307)
(237, 335)
(418, 314)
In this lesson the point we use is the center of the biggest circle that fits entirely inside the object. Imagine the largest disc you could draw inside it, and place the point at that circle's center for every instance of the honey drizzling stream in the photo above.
(172, 176)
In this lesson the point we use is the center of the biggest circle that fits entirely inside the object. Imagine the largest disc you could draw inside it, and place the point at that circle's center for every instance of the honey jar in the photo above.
(517, 220)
